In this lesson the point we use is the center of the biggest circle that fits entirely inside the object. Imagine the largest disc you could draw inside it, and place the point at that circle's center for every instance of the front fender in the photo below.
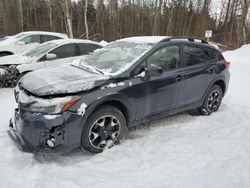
(92, 104)
(117, 97)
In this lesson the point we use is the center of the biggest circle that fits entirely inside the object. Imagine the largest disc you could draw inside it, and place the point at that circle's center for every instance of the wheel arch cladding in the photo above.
(120, 106)
(113, 102)
(222, 84)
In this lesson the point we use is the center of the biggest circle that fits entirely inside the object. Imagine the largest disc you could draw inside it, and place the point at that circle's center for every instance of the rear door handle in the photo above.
(211, 70)
(179, 78)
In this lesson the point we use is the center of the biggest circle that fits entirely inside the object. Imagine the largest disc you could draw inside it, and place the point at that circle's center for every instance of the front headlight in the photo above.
(53, 106)
(48, 106)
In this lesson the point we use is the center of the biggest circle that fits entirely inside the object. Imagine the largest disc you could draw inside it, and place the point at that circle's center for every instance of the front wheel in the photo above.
(103, 129)
(212, 101)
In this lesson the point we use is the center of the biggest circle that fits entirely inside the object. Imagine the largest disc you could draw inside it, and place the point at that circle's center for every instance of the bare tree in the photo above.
(85, 19)
(21, 14)
(243, 24)
(114, 19)
(68, 18)
(49, 4)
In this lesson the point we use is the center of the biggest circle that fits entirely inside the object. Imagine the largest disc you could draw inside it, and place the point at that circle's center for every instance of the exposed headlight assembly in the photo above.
(48, 106)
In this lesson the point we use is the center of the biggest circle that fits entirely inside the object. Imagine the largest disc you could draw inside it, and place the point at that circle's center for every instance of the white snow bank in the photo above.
(111, 85)
(241, 55)
(2, 71)
(144, 39)
(81, 110)
(103, 43)
(179, 151)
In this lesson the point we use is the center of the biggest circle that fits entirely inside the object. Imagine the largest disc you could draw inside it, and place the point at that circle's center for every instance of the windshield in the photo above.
(20, 35)
(115, 57)
(37, 52)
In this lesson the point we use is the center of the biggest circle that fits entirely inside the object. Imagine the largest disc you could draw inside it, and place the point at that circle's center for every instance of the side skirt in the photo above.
(165, 114)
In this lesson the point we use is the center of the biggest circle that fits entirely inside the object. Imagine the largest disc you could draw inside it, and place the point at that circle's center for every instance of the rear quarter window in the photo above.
(65, 51)
(213, 54)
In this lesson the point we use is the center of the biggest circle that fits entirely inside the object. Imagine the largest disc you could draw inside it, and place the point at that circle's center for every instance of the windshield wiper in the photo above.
(91, 68)
(88, 68)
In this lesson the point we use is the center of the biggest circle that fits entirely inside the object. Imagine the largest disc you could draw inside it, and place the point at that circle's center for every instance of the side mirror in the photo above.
(51, 56)
(20, 43)
(153, 70)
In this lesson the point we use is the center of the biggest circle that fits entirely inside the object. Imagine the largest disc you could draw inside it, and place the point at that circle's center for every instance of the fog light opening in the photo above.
(51, 142)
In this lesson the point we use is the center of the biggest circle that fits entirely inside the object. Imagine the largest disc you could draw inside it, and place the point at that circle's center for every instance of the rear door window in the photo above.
(213, 54)
(46, 38)
(168, 58)
(193, 55)
(65, 51)
(87, 48)
(31, 39)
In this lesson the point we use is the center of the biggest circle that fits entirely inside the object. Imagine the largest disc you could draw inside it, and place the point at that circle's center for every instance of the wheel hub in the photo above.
(213, 101)
(104, 132)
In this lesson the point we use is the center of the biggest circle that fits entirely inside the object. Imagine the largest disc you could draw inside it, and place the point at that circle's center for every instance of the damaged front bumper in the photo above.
(55, 134)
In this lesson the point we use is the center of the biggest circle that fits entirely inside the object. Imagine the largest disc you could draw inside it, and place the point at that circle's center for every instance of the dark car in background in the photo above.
(131, 81)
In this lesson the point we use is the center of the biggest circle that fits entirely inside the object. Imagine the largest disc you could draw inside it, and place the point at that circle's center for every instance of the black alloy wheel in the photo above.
(103, 129)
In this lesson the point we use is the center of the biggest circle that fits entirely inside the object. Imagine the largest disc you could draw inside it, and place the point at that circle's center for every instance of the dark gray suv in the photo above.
(91, 103)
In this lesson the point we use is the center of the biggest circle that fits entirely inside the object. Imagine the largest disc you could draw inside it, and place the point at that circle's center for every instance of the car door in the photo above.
(64, 54)
(158, 93)
(198, 73)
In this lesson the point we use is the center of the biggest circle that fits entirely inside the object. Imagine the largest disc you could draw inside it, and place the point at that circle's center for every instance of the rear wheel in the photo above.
(212, 101)
(103, 129)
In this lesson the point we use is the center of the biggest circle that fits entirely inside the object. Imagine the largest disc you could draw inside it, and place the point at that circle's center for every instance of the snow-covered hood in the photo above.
(16, 59)
(8, 41)
(61, 80)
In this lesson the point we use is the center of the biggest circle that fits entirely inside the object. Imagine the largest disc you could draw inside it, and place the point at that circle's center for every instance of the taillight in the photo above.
(227, 64)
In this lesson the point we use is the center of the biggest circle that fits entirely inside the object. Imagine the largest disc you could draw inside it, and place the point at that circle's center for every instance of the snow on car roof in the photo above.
(144, 39)
(66, 41)
(63, 35)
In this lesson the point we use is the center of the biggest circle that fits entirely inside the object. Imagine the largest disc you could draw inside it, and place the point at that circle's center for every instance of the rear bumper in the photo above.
(35, 132)
(227, 79)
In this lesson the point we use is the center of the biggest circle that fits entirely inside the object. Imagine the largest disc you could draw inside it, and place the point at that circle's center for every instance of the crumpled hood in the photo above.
(61, 80)
(16, 59)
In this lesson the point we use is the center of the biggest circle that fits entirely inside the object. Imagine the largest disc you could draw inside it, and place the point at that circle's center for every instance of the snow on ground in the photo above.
(179, 151)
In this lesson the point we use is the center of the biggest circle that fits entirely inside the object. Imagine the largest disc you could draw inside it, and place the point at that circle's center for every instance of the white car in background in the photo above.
(49, 54)
(26, 41)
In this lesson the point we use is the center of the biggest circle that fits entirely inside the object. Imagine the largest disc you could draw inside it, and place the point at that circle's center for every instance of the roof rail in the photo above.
(191, 39)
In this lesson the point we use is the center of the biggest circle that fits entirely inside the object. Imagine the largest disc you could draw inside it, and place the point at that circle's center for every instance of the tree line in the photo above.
(112, 19)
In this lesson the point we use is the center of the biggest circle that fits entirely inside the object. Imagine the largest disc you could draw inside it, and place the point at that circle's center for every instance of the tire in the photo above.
(103, 129)
(212, 101)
